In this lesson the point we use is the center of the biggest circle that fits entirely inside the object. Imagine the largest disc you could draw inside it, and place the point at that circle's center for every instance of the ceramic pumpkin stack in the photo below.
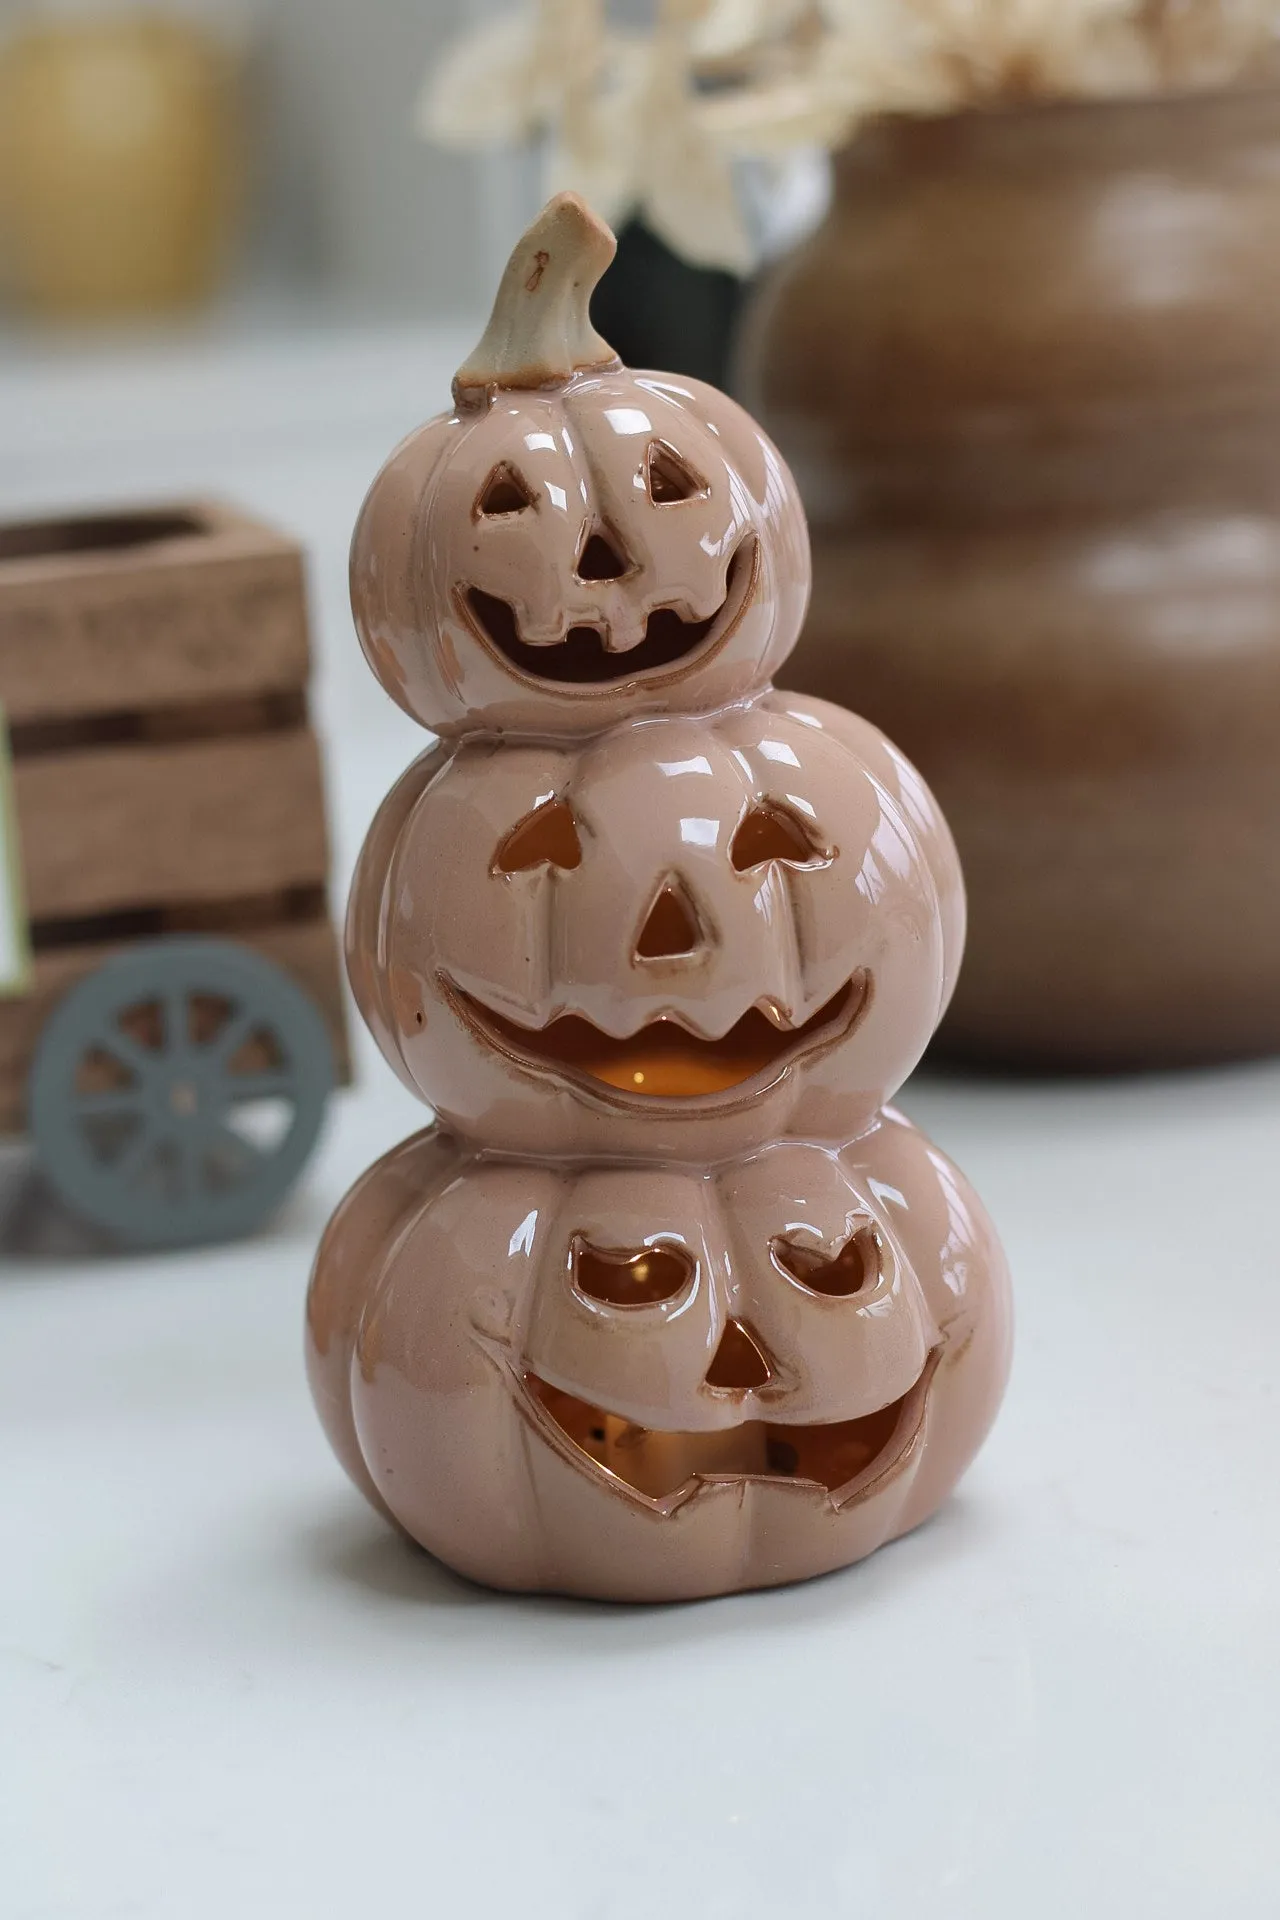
(667, 1303)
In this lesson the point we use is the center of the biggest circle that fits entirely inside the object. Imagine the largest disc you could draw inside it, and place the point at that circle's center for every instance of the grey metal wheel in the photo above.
(177, 1091)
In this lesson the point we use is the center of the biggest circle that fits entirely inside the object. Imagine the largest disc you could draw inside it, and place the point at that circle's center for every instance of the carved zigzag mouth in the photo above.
(664, 1060)
(846, 1460)
(584, 655)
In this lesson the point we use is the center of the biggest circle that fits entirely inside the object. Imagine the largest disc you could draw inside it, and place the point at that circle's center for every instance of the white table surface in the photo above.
(226, 1690)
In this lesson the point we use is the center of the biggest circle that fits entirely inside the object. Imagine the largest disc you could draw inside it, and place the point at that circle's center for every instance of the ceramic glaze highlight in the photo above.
(535, 1436)
(669, 1303)
(556, 558)
(801, 976)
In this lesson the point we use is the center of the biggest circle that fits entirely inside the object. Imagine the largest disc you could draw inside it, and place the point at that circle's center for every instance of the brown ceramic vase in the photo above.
(1027, 375)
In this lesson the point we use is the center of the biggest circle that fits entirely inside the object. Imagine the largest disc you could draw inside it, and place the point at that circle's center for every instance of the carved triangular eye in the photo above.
(547, 837)
(670, 478)
(623, 1278)
(770, 832)
(838, 1275)
(671, 928)
(504, 492)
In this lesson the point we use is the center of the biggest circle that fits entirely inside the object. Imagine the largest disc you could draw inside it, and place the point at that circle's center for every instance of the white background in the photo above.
(225, 1690)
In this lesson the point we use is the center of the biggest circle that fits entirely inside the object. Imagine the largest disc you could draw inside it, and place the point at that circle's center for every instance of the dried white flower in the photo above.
(621, 116)
(653, 123)
(484, 91)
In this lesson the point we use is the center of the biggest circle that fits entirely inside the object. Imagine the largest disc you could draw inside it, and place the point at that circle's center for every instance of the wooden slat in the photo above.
(212, 613)
(137, 826)
(307, 950)
(192, 720)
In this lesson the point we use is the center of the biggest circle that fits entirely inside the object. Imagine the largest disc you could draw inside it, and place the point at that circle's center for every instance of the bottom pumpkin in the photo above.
(657, 1383)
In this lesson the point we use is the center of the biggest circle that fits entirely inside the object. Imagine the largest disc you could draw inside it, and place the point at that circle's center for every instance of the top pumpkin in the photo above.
(575, 543)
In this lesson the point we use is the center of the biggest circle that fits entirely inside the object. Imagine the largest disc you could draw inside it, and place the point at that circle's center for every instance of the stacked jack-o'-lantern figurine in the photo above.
(667, 1303)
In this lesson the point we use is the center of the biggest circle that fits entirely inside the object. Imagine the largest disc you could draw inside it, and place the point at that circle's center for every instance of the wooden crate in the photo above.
(153, 670)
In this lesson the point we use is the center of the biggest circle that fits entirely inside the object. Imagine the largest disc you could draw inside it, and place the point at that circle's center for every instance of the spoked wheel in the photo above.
(177, 1091)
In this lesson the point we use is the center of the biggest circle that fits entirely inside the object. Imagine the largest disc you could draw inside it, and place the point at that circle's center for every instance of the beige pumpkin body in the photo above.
(446, 1306)
(848, 947)
(565, 561)
(669, 1304)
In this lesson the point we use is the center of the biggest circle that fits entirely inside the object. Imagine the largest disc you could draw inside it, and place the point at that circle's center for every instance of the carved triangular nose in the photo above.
(671, 925)
(602, 558)
(740, 1362)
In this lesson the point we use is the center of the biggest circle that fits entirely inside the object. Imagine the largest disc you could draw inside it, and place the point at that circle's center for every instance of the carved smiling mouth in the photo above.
(847, 1459)
(584, 658)
(663, 1060)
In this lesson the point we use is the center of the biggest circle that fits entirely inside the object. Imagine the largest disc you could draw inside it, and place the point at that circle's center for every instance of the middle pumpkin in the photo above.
(710, 933)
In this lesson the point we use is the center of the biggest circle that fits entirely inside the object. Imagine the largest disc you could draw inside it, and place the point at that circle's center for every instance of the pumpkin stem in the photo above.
(540, 332)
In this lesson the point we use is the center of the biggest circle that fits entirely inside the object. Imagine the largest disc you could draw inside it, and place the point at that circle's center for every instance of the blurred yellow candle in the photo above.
(120, 163)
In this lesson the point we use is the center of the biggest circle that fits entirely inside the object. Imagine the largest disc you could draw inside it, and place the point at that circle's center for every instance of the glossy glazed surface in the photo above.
(1028, 377)
(796, 980)
(560, 561)
(536, 1435)
(667, 1306)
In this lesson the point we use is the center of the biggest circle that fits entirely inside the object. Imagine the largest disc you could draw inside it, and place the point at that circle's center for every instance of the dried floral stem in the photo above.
(654, 123)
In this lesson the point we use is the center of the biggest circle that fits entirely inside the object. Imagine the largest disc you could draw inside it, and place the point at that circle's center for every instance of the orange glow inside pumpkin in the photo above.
(657, 1463)
(662, 1060)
